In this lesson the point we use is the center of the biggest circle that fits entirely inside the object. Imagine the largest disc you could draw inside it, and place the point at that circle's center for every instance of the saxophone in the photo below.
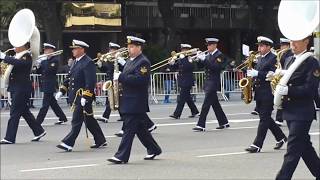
(275, 79)
(112, 88)
(246, 83)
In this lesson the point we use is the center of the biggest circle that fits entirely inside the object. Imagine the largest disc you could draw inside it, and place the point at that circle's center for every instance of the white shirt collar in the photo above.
(265, 54)
(132, 58)
(298, 55)
(77, 59)
(20, 54)
(214, 51)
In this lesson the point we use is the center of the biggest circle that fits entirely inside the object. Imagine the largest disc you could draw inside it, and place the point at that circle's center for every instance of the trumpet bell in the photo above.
(298, 19)
(21, 27)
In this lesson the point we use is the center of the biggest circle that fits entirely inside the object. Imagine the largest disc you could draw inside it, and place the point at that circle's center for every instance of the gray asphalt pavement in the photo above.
(214, 154)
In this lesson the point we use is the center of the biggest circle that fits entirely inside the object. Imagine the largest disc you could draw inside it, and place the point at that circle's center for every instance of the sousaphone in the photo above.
(22, 29)
(297, 20)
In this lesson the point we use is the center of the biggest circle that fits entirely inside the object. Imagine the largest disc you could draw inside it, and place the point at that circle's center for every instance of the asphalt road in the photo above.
(214, 154)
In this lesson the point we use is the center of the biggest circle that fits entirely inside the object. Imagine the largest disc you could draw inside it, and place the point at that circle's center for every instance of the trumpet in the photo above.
(174, 56)
(248, 61)
(195, 57)
(111, 56)
(55, 53)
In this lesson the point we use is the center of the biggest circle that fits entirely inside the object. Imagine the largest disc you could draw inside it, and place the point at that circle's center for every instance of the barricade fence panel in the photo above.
(161, 84)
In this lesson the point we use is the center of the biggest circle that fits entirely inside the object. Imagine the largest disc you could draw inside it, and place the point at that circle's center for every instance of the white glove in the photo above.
(117, 55)
(99, 64)
(181, 56)
(282, 90)
(121, 61)
(269, 76)
(279, 72)
(83, 101)
(2, 55)
(116, 75)
(201, 56)
(171, 62)
(58, 95)
(252, 73)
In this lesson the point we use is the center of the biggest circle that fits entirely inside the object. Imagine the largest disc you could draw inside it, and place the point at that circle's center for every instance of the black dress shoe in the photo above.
(223, 126)
(37, 138)
(193, 115)
(199, 129)
(60, 122)
(64, 147)
(280, 143)
(95, 146)
(154, 127)
(102, 119)
(3, 141)
(151, 156)
(174, 116)
(119, 134)
(253, 149)
(115, 160)
(254, 113)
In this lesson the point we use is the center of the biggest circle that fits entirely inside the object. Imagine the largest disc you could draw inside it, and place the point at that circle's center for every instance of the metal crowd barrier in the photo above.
(37, 94)
(163, 84)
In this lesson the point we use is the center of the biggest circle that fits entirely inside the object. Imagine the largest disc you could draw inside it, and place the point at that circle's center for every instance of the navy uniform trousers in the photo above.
(266, 122)
(135, 124)
(148, 123)
(299, 145)
(49, 100)
(185, 97)
(107, 110)
(211, 100)
(78, 118)
(20, 108)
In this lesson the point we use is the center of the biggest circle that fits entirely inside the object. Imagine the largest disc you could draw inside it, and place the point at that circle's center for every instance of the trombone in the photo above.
(110, 56)
(55, 53)
(174, 56)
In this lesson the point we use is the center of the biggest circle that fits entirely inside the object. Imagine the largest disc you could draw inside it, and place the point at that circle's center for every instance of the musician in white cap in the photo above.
(185, 82)
(213, 62)
(264, 97)
(80, 84)
(108, 68)
(20, 89)
(135, 80)
(298, 110)
(48, 67)
(286, 52)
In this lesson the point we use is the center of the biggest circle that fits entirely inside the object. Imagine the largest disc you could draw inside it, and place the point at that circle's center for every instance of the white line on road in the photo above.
(178, 124)
(61, 167)
(223, 154)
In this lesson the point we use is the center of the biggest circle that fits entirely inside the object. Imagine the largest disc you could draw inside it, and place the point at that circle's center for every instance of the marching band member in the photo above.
(298, 111)
(20, 90)
(284, 44)
(80, 85)
(135, 80)
(185, 83)
(108, 68)
(213, 64)
(48, 68)
(264, 97)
